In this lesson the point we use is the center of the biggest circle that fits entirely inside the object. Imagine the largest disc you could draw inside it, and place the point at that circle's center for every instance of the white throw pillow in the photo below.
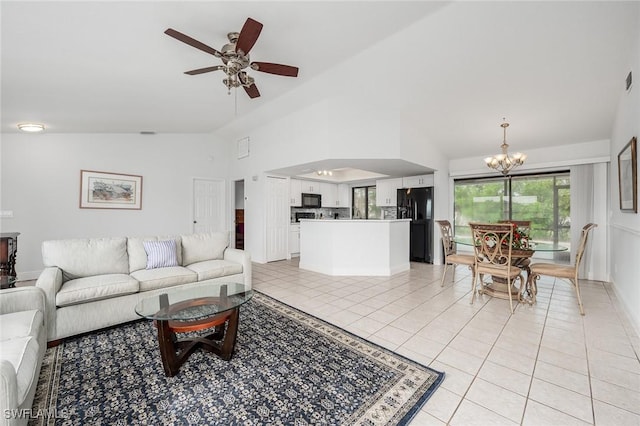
(161, 254)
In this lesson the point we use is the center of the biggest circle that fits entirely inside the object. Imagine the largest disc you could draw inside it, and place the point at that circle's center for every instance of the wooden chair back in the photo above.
(447, 237)
(584, 236)
(518, 223)
(493, 242)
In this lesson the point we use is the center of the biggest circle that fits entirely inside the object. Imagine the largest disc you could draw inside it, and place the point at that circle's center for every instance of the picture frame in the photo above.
(104, 190)
(628, 176)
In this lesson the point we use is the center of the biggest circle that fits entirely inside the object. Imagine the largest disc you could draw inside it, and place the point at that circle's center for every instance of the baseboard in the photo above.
(625, 309)
(28, 275)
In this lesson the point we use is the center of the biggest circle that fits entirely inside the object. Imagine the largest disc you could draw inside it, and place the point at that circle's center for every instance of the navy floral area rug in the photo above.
(288, 368)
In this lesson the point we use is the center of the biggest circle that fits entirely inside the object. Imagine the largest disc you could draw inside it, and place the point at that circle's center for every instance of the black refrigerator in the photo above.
(417, 204)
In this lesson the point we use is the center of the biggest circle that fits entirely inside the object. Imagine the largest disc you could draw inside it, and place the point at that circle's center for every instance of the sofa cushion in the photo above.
(22, 353)
(21, 324)
(160, 254)
(201, 247)
(178, 240)
(87, 257)
(138, 255)
(151, 279)
(215, 269)
(94, 288)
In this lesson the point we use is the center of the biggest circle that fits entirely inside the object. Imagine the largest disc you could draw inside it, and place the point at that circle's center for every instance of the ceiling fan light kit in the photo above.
(504, 162)
(235, 58)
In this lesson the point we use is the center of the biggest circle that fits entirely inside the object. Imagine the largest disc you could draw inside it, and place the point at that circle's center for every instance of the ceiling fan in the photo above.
(235, 58)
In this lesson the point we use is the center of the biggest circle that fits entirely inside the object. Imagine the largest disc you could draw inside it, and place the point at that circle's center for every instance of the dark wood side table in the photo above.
(7, 281)
(8, 252)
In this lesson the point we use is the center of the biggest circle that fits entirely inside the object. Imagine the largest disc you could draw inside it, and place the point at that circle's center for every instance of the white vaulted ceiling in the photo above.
(556, 70)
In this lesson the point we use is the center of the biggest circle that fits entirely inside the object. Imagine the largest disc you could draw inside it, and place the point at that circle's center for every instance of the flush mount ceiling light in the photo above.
(31, 127)
(325, 173)
(504, 162)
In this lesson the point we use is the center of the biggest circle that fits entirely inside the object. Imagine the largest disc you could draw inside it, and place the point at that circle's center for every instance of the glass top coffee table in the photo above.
(195, 307)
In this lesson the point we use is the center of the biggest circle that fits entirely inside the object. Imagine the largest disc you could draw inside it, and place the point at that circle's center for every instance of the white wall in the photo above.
(625, 227)
(41, 182)
(554, 158)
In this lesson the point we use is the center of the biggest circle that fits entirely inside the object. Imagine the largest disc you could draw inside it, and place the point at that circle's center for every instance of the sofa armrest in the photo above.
(50, 280)
(242, 257)
(22, 299)
(8, 392)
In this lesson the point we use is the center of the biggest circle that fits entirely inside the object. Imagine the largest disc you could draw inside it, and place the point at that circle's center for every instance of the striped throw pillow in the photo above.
(160, 254)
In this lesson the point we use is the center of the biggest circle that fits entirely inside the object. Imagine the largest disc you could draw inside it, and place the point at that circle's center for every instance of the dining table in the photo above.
(521, 258)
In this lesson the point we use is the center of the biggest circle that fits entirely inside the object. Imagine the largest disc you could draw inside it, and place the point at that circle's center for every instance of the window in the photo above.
(364, 202)
(543, 199)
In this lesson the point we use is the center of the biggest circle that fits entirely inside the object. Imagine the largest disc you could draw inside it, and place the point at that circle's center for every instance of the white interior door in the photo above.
(278, 218)
(208, 205)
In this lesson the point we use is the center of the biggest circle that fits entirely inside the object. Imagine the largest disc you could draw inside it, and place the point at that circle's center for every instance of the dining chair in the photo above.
(567, 272)
(493, 246)
(524, 225)
(451, 256)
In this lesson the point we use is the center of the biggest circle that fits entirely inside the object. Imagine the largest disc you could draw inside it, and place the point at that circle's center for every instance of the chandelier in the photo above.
(504, 162)
(325, 173)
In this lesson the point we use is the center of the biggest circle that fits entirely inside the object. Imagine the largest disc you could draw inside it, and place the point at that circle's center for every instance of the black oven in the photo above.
(311, 201)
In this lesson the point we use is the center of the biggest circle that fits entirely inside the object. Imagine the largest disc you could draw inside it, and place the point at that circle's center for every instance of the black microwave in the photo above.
(312, 201)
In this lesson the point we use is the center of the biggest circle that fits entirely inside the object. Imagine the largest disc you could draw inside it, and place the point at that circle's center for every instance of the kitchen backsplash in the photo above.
(389, 213)
(343, 213)
(324, 213)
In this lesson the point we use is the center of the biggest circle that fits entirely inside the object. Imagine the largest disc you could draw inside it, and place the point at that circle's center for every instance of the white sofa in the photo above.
(95, 283)
(23, 341)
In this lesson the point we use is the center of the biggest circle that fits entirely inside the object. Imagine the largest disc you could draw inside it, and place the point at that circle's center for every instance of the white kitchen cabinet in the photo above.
(294, 239)
(386, 192)
(329, 192)
(295, 191)
(344, 191)
(310, 187)
(421, 181)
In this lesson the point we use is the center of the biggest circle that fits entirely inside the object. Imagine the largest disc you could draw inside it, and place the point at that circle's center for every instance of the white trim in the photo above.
(635, 232)
(624, 309)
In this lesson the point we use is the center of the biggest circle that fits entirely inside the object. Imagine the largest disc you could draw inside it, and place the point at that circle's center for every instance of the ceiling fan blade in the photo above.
(252, 91)
(278, 69)
(204, 70)
(192, 42)
(248, 35)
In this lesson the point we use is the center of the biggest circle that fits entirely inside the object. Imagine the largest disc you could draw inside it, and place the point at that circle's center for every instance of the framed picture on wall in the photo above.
(102, 190)
(628, 176)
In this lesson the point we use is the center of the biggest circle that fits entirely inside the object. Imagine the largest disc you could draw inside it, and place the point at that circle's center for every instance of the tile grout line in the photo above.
(544, 326)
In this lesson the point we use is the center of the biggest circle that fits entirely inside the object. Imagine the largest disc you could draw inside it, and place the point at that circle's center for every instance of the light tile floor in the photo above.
(544, 365)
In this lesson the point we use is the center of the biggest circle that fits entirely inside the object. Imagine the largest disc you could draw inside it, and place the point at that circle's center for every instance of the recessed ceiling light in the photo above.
(31, 127)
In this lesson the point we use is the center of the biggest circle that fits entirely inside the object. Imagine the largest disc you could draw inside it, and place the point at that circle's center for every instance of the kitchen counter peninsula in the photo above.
(354, 247)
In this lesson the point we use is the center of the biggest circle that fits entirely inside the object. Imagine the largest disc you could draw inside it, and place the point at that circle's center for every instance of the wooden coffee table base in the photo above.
(176, 351)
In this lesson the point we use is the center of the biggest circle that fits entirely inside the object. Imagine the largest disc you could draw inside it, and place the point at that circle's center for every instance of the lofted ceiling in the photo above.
(556, 70)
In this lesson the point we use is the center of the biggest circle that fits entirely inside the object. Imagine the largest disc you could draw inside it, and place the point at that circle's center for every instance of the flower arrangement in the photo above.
(520, 238)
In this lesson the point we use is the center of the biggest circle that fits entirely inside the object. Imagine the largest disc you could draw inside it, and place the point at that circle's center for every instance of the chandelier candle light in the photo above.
(504, 162)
